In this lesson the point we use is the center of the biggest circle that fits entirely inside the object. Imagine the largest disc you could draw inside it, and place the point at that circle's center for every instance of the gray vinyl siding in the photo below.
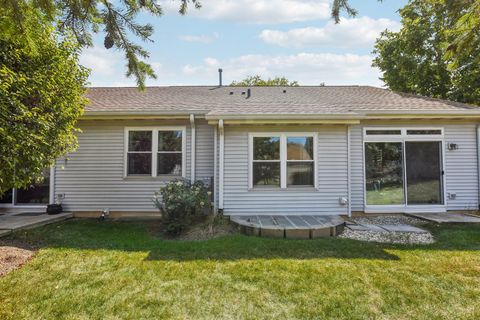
(93, 176)
(356, 168)
(331, 174)
(204, 150)
(461, 167)
(461, 173)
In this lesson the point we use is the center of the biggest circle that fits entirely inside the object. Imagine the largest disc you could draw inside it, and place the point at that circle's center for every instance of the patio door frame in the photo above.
(402, 138)
(51, 196)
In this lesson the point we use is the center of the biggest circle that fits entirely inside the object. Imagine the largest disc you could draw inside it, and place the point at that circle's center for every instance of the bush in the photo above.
(180, 202)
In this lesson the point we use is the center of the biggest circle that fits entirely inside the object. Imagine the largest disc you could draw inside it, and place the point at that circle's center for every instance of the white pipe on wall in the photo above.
(192, 157)
(51, 199)
(478, 164)
(215, 165)
(221, 164)
(349, 183)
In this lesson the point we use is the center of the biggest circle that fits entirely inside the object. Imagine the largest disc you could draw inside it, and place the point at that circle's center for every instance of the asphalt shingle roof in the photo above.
(265, 100)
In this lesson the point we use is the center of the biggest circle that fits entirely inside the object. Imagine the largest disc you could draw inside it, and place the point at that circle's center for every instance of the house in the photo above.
(270, 150)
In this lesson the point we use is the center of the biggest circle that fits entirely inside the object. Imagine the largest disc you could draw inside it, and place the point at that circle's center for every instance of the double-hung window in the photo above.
(282, 160)
(155, 152)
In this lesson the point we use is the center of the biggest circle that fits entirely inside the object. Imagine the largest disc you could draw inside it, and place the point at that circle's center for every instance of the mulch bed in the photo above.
(14, 254)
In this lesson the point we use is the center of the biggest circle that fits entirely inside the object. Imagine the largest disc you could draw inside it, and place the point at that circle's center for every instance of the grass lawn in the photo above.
(113, 270)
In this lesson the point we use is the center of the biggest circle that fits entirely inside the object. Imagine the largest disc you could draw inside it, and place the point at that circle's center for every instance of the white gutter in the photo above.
(349, 183)
(185, 113)
(215, 165)
(221, 164)
(353, 115)
(193, 158)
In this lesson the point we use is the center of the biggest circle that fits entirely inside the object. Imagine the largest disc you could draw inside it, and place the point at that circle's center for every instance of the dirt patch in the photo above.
(201, 230)
(13, 255)
(206, 232)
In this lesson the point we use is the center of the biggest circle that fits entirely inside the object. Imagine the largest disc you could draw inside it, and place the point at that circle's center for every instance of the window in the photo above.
(266, 161)
(155, 152)
(139, 158)
(169, 159)
(383, 132)
(424, 132)
(284, 160)
(300, 161)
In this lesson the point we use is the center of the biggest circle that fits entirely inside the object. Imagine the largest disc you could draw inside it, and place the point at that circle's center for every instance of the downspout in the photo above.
(349, 175)
(221, 164)
(478, 164)
(51, 199)
(215, 166)
(192, 157)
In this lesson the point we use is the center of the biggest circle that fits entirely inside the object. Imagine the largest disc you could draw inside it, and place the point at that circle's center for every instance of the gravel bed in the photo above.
(388, 237)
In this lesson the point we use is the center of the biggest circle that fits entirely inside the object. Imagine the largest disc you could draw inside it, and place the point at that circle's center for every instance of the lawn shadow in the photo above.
(134, 237)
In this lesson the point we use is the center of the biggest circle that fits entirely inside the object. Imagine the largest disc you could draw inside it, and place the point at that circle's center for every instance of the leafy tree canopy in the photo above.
(257, 80)
(117, 19)
(41, 97)
(464, 30)
(418, 59)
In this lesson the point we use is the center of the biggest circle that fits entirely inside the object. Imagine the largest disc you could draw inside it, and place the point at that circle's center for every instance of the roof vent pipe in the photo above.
(220, 77)
(249, 93)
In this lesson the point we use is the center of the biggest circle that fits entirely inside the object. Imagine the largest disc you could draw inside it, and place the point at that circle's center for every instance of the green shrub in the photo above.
(180, 202)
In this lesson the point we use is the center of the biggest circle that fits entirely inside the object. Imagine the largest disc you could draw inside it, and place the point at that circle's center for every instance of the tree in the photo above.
(416, 59)
(257, 80)
(117, 19)
(41, 97)
(465, 31)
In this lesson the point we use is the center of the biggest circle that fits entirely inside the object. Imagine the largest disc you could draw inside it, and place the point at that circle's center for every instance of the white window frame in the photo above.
(283, 157)
(402, 138)
(154, 150)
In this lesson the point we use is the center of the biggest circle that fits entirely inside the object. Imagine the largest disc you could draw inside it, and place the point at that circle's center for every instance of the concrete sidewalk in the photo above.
(11, 222)
(445, 217)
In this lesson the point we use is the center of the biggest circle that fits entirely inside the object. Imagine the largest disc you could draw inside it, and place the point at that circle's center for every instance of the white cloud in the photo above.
(257, 11)
(103, 62)
(307, 68)
(201, 38)
(348, 33)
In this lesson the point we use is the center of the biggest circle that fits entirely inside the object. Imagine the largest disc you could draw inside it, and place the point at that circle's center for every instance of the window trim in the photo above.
(154, 151)
(283, 159)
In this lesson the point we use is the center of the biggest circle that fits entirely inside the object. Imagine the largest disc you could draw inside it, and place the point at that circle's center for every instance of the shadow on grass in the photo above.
(134, 237)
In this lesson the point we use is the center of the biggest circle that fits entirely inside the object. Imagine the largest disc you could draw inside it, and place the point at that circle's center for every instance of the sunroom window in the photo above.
(284, 160)
(155, 152)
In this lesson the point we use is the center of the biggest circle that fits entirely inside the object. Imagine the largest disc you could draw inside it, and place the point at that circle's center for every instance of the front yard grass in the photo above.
(117, 270)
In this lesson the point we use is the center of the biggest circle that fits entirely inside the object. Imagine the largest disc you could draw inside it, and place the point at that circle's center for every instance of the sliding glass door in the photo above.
(36, 194)
(384, 173)
(423, 162)
(405, 170)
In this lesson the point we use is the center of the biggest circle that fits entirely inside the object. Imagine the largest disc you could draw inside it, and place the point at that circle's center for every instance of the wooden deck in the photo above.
(290, 226)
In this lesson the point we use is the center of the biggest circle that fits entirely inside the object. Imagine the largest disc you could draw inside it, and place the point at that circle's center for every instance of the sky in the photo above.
(292, 38)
